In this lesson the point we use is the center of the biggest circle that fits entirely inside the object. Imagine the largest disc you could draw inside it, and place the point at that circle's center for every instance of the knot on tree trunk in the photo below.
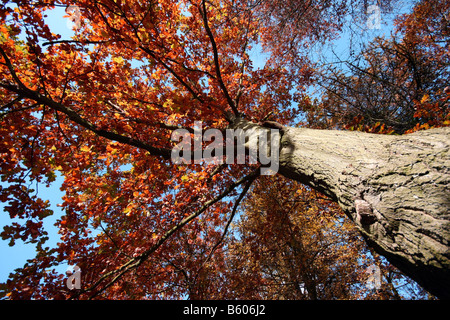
(364, 212)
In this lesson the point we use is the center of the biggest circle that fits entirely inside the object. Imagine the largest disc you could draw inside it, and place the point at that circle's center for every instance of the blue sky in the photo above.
(15, 257)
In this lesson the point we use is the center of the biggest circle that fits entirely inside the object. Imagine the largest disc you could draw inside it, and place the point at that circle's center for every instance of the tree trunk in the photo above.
(394, 188)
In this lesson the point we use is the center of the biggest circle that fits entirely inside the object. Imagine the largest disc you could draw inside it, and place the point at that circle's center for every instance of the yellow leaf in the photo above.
(425, 98)
(85, 148)
(128, 209)
(118, 60)
(168, 103)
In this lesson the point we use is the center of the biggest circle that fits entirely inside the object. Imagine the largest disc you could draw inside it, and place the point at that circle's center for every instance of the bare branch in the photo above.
(50, 43)
(216, 59)
(225, 231)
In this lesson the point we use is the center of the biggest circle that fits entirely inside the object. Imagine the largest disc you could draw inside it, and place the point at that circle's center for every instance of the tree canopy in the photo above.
(100, 109)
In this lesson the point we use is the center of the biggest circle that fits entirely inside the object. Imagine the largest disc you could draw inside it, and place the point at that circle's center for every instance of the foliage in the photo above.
(99, 109)
(397, 84)
(292, 244)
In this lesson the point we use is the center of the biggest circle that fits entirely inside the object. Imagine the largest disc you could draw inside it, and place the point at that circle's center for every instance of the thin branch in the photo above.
(50, 43)
(11, 69)
(216, 59)
(172, 71)
(3, 114)
(113, 241)
(137, 261)
(225, 231)
(182, 65)
(242, 67)
(162, 125)
(11, 103)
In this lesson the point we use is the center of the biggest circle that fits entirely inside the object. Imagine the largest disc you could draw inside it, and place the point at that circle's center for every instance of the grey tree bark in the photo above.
(394, 188)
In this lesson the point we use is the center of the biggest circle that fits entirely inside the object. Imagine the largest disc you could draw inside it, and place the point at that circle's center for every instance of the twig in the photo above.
(137, 261)
(233, 213)
(216, 59)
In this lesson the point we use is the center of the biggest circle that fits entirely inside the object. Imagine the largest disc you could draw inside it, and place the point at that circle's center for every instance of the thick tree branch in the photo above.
(75, 117)
(50, 43)
(394, 189)
(22, 90)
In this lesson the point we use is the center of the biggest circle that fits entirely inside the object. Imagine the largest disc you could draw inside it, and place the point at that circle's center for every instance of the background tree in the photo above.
(294, 244)
(396, 84)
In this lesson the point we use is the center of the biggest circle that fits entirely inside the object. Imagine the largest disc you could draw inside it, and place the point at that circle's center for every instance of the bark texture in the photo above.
(394, 188)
